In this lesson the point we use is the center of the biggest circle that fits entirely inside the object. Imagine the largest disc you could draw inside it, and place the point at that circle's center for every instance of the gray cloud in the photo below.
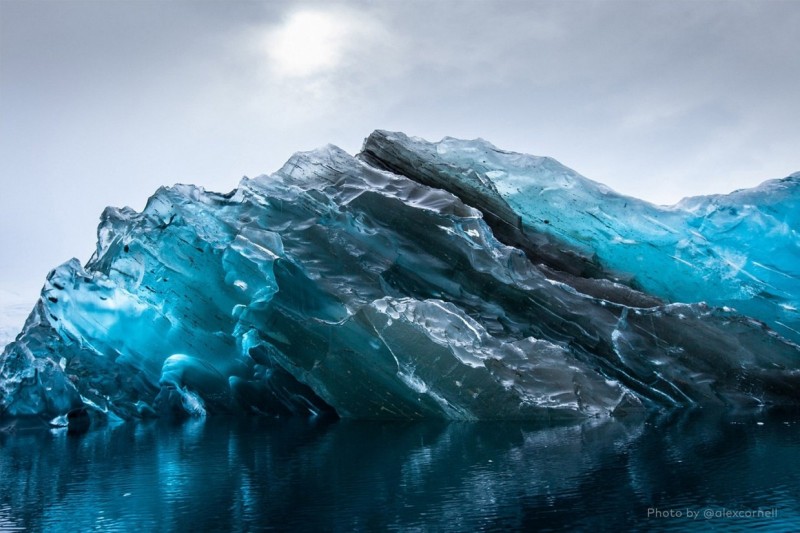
(103, 102)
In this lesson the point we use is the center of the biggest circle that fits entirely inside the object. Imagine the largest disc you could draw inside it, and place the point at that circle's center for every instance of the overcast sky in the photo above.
(102, 102)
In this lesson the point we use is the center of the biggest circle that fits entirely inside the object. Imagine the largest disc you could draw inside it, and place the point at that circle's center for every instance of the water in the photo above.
(256, 474)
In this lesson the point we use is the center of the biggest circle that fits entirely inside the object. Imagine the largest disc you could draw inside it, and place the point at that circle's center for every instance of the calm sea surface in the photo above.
(650, 474)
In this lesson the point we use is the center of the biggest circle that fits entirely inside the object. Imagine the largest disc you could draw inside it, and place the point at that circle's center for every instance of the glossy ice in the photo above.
(337, 286)
(740, 250)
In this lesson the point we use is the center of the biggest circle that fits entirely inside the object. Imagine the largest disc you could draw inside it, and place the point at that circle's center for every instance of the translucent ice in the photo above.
(432, 290)
(740, 250)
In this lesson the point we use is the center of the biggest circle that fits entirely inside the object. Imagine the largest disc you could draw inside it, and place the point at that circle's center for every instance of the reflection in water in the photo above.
(256, 474)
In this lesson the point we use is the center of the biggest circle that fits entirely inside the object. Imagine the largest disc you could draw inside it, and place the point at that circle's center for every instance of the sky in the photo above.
(103, 102)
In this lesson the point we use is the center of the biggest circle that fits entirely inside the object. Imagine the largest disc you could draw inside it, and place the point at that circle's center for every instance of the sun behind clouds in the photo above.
(310, 43)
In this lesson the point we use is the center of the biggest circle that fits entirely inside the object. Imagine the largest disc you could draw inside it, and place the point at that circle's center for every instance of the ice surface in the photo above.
(336, 286)
(740, 250)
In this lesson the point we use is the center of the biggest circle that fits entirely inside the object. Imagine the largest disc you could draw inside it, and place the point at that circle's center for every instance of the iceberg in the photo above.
(740, 250)
(443, 280)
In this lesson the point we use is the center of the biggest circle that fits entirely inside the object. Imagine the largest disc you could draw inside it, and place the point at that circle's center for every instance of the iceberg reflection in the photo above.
(252, 474)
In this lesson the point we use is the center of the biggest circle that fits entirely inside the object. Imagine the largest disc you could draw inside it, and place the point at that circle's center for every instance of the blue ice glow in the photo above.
(740, 250)
(336, 286)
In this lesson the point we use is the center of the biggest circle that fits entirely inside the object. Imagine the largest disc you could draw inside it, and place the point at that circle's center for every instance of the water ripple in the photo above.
(278, 475)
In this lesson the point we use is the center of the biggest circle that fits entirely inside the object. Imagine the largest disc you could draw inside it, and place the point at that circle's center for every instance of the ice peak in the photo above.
(417, 279)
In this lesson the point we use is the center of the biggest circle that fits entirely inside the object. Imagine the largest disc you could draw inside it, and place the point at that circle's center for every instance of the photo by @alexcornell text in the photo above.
(710, 513)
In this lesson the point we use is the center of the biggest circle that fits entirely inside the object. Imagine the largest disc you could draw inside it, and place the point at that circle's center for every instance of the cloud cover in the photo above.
(101, 103)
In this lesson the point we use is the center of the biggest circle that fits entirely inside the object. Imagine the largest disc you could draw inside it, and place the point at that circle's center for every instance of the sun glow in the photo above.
(309, 43)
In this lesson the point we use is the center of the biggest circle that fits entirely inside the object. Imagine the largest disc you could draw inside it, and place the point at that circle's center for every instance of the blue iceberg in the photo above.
(740, 250)
(417, 280)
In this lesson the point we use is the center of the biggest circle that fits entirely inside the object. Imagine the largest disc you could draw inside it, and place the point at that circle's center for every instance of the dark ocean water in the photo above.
(283, 475)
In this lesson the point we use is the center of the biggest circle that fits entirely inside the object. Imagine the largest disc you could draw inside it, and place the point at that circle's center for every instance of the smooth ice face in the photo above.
(740, 250)
(335, 286)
